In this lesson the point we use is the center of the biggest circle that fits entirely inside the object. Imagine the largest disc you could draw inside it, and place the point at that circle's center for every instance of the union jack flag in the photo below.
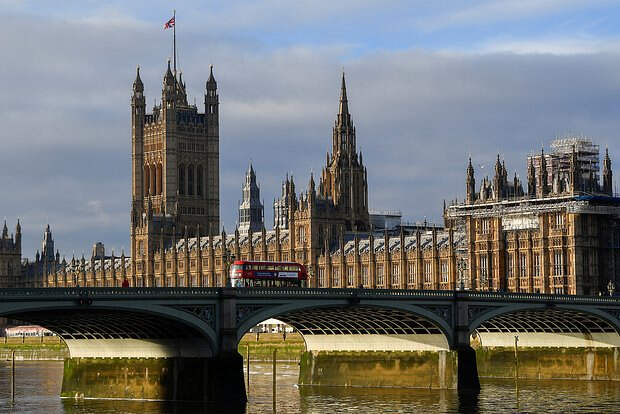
(169, 24)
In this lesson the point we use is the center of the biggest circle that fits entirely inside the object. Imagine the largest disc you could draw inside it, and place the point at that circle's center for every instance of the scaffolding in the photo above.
(558, 162)
(587, 155)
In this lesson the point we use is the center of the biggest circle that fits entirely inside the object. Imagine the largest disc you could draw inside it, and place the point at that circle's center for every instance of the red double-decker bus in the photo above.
(244, 273)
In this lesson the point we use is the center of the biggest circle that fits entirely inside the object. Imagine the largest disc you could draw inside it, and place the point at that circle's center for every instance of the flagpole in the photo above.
(174, 41)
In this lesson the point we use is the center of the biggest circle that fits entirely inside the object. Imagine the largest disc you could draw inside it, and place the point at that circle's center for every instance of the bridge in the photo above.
(196, 331)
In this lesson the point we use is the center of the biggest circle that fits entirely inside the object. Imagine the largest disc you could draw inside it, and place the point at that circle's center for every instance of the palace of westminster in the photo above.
(557, 233)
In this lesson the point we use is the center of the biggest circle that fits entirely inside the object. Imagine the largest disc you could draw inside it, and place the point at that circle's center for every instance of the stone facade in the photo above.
(10, 256)
(251, 217)
(175, 169)
(561, 236)
(326, 228)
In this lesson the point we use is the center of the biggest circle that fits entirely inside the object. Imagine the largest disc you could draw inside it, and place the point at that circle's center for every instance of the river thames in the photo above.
(38, 386)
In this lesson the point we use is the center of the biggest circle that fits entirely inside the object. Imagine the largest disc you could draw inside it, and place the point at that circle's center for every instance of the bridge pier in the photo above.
(214, 379)
(468, 380)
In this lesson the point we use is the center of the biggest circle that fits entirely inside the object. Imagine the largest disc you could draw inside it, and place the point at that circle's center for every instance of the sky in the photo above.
(429, 84)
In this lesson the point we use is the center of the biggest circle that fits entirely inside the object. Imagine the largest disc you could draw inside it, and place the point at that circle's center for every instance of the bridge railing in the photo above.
(214, 292)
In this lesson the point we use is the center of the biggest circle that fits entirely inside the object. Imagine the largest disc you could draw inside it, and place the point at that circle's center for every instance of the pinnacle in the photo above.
(344, 104)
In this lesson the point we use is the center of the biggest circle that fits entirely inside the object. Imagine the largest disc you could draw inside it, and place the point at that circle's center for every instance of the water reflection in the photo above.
(38, 387)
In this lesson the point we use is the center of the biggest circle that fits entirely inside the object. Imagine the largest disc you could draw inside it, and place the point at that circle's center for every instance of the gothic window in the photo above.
(141, 247)
(484, 269)
(349, 275)
(380, 279)
(159, 180)
(510, 265)
(147, 180)
(444, 271)
(485, 226)
(321, 277)
(428, 272)
(336, 277)
(558, 221)
(365, 275)
(181, 179)
(395, 274)
(558, 263)
(190, 180)
(412, 273)
(536, 264)
(153, 184)
(522, 265)
(199, 181)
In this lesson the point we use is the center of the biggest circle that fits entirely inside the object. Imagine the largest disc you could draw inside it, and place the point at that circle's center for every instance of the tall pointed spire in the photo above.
(344, 103)
(607, 174)
(138, 86)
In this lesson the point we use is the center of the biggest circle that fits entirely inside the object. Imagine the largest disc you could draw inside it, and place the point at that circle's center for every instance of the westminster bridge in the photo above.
(196, 331)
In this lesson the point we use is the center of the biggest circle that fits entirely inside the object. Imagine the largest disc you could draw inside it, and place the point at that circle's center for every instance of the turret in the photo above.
(138, 112)
(498, 180)
(18, 235)
(311, 190)
(575, 173)
(543, 185)
(470, 184)
(531, 179)
(5, 231)
(211, 98)
(168, 87)
(607, 174)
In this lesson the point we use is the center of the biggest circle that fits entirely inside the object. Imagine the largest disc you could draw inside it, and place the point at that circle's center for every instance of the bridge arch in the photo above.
(360, 327)
(120, 329)
(543, 324)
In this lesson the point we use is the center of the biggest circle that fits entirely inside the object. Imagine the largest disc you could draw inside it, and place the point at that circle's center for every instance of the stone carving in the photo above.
(205, 313)
(244, 311)
(474, 311)
(444, 312)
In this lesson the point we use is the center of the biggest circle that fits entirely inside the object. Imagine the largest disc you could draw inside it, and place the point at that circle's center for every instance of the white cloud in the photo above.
(65, 116)
(584, 45)
(491, 11)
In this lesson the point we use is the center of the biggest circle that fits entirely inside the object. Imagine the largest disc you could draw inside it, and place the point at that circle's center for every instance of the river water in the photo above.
(38, 386)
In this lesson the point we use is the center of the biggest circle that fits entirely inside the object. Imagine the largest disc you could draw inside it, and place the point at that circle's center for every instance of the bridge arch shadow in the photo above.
(337, 326)
(543, 325)
(120, 330)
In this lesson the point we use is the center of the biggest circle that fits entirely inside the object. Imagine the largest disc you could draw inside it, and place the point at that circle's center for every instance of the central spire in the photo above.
(344, 104)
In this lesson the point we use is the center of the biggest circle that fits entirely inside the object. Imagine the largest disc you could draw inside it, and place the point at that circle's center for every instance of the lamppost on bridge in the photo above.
(611, 288)
(461, 267)
(227, 258)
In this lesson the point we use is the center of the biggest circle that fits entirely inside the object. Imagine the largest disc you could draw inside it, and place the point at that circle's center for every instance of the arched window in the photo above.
(181, 179)
(147, 180)
(152, 185)
(190, 180)
(199, 181)
(158, 180)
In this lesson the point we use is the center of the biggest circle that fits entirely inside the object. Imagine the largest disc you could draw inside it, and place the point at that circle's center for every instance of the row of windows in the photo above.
(191, 180)
(394, 275)
(193, 210)
(191, 146)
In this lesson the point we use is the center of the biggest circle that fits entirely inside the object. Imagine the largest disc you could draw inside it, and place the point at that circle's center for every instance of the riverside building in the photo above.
(560, 234)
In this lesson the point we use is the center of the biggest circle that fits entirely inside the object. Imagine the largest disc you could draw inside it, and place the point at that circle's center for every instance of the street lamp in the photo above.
(228, 258)
(310, 276)
(611, 288)
(461, 267)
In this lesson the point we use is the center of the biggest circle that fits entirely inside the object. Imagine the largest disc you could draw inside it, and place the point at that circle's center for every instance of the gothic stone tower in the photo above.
(10, 256)
(251, 217)
(175, 167)
(344, 178)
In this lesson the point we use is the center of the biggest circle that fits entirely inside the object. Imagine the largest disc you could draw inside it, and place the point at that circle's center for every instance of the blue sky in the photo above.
(429, 83)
